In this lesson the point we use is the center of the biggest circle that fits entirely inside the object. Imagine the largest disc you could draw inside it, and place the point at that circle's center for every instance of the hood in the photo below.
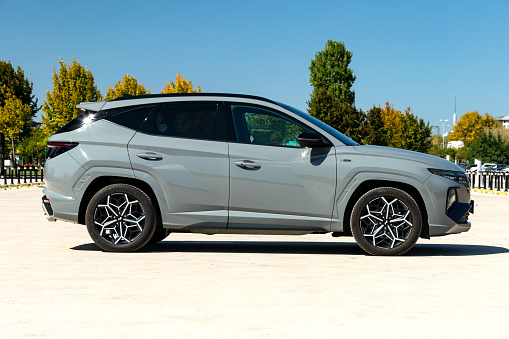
(429, 160)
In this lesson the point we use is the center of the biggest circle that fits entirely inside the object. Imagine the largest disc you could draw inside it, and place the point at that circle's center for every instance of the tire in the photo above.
(159, 235)
(386, 221)
(120, 218)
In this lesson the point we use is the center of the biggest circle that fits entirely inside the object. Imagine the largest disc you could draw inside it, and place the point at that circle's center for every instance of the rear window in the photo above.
(131, 117)
(82, 119)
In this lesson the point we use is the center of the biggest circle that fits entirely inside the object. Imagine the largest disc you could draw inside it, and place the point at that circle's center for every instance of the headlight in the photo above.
(459, 176)
(444, 173)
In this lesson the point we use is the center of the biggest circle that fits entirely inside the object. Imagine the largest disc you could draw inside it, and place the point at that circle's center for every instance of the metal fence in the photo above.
(488, 180)
(20, 175)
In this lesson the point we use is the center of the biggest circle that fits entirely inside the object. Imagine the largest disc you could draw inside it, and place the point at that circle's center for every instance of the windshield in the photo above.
(340, 136)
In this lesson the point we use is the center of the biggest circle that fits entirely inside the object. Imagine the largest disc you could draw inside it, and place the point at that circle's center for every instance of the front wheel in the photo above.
(386, 221)
(120, 218)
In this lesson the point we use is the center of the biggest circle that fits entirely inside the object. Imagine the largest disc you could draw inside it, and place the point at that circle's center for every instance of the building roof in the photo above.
(506, 118)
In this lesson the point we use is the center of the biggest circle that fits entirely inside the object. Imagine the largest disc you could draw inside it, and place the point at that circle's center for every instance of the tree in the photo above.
(491, 148)
(375, 131)
(128, 86)
(330, 70)
(405, 130)
(181, 86)
(498, 129)
(339, 115)
(32, 148)
(394, 125)
(71, 85)
(417, 134)
(471, 125)
(19, 86)
(13, 116)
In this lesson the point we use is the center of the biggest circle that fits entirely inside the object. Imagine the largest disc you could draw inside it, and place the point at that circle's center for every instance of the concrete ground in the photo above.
(55, 282)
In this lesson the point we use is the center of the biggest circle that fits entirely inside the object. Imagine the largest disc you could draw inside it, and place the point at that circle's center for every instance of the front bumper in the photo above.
(461, 223)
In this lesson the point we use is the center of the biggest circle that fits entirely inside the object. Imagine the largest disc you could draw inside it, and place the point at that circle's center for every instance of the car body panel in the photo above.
(193, 175)
(292, 187)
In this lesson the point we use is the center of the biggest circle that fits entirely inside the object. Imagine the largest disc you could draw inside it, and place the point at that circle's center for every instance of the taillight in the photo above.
(60, 147)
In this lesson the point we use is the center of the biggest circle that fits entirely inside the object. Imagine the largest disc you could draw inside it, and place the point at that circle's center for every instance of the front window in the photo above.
(340, 136)
(255, 125)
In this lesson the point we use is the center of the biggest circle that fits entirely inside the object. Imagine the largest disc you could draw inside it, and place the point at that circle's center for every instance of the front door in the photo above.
(275, 183)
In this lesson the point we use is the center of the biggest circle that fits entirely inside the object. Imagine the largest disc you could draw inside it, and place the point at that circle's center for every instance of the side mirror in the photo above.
(312, 139)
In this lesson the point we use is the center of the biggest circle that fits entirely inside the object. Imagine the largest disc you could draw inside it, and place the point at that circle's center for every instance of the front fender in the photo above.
(356, 186)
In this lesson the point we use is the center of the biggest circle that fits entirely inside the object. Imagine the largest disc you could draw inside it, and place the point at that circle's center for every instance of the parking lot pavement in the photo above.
(55, 282)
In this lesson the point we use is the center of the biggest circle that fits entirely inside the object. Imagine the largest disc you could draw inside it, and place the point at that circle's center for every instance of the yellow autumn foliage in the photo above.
(180, 86)
(128, 86)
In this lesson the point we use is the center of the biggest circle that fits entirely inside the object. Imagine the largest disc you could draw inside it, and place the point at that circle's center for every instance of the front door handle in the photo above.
(149, 156)
(247, 164)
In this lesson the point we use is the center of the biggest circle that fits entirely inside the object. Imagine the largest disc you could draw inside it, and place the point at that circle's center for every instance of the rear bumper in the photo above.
(48, 210)
(59, 206)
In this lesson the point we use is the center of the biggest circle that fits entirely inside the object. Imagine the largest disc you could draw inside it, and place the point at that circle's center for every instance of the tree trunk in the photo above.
(13, 163)
(2, 145)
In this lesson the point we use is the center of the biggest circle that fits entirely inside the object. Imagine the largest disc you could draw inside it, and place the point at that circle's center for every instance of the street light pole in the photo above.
(443, 131)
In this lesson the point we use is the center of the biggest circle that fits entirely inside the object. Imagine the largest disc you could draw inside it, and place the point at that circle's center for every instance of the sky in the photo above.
(417, 54)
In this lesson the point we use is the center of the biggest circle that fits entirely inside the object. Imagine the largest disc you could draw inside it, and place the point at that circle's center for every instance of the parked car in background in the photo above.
(489, 167)
(468, 167)
(135, 169)
(500, 167)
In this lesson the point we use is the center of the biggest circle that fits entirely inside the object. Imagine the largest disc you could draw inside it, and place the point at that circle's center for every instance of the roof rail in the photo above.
(129, 97)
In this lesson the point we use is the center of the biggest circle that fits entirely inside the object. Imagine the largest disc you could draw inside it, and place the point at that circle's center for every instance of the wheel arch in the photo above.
(371, 184)
(101, 182)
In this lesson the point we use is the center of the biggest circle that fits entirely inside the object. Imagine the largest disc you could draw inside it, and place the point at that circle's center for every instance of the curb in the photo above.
(18, 186)
(479, 190)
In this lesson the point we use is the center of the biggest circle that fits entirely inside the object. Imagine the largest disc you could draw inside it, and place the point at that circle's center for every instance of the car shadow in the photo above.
(288, 247)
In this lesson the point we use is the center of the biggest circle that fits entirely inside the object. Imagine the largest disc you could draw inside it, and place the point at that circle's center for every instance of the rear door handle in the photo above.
(149, 156)
(247, 164)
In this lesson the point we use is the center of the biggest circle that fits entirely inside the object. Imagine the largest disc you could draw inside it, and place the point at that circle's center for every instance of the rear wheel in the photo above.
(386, 221)
(159, 235)
(120, 218)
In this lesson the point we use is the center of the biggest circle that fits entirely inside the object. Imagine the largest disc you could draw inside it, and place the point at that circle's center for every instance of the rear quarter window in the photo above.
(189, 120)
(130, 117)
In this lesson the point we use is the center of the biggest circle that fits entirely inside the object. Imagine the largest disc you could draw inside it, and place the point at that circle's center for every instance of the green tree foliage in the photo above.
(32, 148)
(375, 131)
(13, 116)
(417, 134)
(72, 84)
(340, 115)
(128, 86)
(329, 70)
(180, 86)
(490, 148)
(498, 129)
(471, 125)
(19, 86)
(405, 130)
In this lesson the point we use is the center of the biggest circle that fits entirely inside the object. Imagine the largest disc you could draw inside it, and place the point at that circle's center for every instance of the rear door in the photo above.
(182, 147)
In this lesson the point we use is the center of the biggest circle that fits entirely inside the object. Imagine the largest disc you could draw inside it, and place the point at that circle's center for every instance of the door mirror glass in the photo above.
(312, 139)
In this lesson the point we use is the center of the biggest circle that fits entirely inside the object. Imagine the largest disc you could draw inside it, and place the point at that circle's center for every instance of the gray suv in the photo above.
(135, 169)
